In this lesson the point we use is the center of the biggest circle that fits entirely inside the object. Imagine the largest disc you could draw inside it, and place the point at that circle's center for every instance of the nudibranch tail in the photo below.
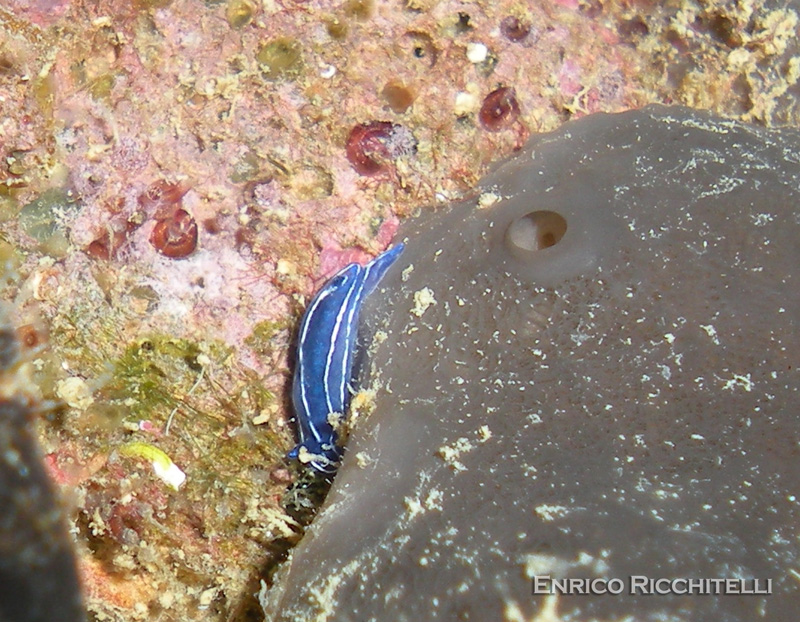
(375, 269)
(325, 351)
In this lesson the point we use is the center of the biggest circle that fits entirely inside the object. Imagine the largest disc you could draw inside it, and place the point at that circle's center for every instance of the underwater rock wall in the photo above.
(587, 370)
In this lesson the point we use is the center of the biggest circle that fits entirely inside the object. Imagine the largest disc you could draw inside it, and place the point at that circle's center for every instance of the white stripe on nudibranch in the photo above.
(336, 356)
(337, 335)
(307, 322)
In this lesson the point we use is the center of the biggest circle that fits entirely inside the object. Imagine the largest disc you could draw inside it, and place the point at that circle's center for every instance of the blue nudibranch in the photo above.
(325, 351)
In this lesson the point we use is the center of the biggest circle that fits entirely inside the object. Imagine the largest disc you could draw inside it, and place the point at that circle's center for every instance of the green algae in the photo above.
(261, 339)
(280, 58)
(9, 207)
(150, 373)
(246, 168)
(149, 5)
(10, 261)
(337, 28)
(43, 219)
(360, 10)
(239, 13)
(311, 182)
(188, 400)
(100, 88)
(44, 93)
(40, 218)
(16, 163)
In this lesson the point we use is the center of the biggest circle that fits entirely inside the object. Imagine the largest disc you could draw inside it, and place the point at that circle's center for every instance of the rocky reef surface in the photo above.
(177, 177)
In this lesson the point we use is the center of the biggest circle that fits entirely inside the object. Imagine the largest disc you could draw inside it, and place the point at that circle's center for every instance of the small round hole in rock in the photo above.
(536, 231)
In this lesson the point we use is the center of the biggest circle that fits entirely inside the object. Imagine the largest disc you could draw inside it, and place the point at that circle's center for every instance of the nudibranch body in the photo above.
(325, 351)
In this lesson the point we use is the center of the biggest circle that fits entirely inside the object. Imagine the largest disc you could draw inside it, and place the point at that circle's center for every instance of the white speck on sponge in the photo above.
(711, 332)
(487, 199)
(549, 512)
(423, 299)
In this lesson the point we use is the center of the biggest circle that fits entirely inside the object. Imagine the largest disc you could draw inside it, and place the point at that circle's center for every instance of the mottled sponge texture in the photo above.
(589, 369)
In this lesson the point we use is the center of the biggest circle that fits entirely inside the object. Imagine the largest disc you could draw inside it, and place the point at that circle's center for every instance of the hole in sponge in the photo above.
(536, 231)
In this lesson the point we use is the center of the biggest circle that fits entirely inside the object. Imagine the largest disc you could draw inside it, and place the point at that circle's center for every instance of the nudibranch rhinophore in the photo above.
(588, 372)
(326, 346)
